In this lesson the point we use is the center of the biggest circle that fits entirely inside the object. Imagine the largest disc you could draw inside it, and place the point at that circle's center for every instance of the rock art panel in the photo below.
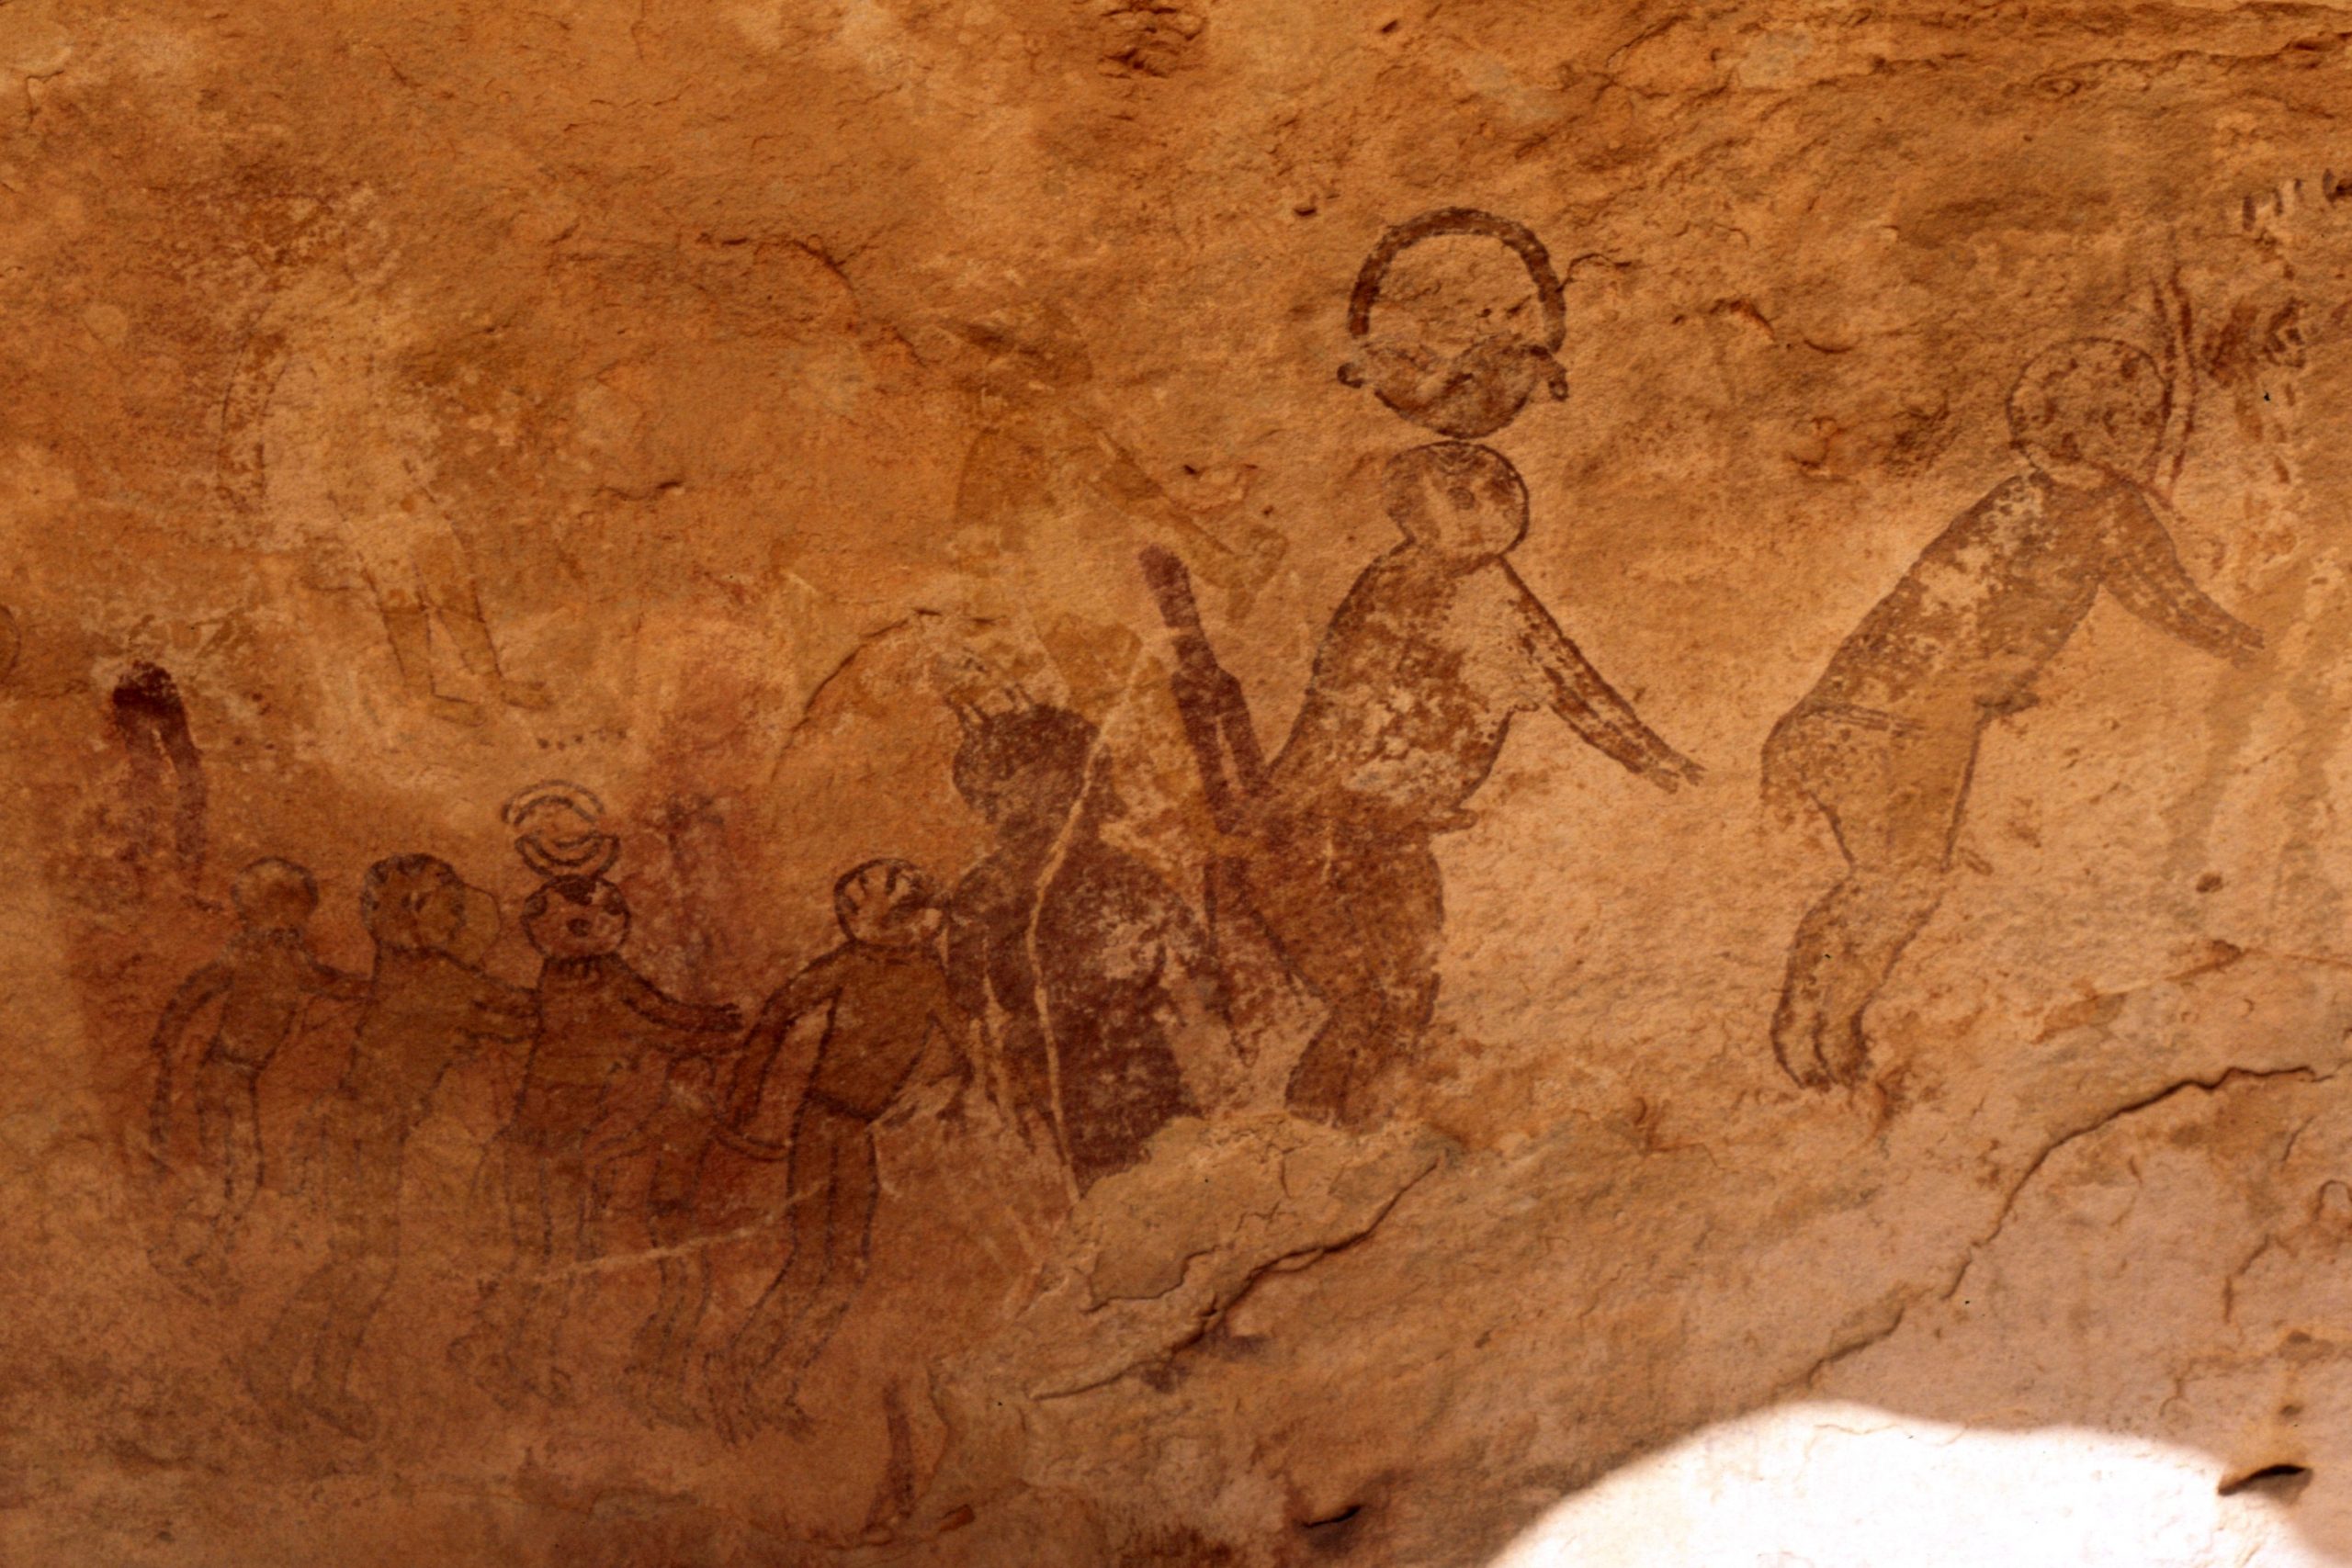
(750, 826)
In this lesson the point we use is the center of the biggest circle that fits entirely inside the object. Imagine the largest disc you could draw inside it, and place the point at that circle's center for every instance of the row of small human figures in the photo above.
(587, 1105)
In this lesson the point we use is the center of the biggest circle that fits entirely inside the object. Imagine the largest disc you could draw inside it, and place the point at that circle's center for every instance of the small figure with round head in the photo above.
(1885, 744)
(258, 988)
(427, 1005)
(596, 1089)
(885, 1004)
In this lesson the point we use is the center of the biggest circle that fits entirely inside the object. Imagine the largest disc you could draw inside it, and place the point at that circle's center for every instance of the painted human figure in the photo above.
(1050, 506)
(597, 1015)
(1435, 649)
(1084, 964)
(326, 430)
(259, 987)
(426, 1007)
(885, 1010)
(1885, 744)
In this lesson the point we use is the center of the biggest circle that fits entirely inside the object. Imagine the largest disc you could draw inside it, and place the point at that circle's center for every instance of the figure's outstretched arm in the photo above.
(1590, 705)
(653, 1004)
(189, 999)
(954, 1030)
(502, 1011)
(322, 979)
(968, 966)
(770, 1032)
(2145, 575)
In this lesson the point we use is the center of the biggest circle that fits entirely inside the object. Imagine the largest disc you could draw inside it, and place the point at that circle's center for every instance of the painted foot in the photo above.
(532, 696)
(456, 710)
(268, 1370)
(550, 1383)
(1846, 1054)
(731, 1408)
(1796, 1046)
(659, 1394)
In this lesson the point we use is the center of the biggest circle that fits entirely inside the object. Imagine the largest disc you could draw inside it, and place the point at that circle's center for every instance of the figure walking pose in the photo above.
(597, 1017)
(1885, 744)
(426, 1007)
(261, 985)
(884, 1002)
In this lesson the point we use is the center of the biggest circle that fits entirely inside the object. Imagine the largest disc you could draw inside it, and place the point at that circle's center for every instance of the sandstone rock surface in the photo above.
(998, 782)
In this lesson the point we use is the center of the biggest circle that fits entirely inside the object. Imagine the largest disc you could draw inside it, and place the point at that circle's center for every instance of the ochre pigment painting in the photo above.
(1058, 783)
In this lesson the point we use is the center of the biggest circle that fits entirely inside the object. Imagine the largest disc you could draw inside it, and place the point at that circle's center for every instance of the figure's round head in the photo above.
(2090, 411)
(886, 903)
(1465, 503)
(1025, 768)
(274, 894)
(1466, 367)
(576, 917)
(414, 903)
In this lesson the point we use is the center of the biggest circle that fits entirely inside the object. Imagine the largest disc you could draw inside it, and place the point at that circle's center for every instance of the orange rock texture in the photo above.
(1004, 782)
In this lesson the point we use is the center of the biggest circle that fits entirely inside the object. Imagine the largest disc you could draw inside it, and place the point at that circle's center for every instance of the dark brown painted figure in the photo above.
(1885, 744)
(1073, 951)
(425, 1008)
(1435, 650)
(886, 1007)
(258, 988)
(597, 1016)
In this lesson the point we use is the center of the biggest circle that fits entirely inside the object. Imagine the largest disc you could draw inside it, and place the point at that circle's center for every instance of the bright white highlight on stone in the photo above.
(1831, 1485)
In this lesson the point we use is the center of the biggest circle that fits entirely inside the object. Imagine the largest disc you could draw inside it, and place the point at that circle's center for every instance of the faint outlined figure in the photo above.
(1083, 965)
(1885, 744)
(151, 721)
(596, 1017)
(885, 1010)
(258, 990)
(426, 1007)
(326, 427)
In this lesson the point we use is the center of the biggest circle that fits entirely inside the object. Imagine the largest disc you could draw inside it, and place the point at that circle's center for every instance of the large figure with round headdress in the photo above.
(1435, 650)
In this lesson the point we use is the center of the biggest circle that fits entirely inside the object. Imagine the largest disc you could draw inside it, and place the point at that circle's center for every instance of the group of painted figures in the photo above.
(1056, 973)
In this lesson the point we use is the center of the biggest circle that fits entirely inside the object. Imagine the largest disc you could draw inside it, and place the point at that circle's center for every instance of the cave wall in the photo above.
(1057, 782)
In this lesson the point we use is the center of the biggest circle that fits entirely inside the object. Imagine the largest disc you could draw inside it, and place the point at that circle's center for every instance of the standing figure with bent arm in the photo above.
(1435, 650)
(1885, 744)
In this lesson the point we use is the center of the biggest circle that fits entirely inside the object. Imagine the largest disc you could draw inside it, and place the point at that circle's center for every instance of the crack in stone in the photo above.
(1218, 1308)
(1904, 1299)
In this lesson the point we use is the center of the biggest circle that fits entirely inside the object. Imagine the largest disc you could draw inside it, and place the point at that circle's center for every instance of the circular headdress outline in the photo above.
(1550, 297)
(590, 855)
